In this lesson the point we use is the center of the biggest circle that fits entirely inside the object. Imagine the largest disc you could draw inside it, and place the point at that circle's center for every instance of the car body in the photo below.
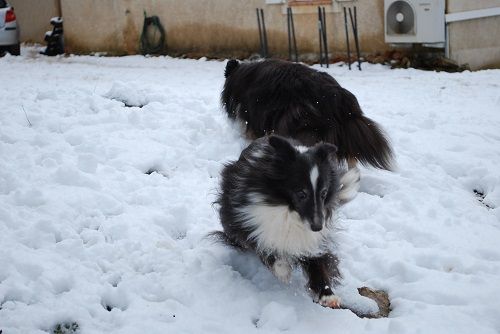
(9, 29)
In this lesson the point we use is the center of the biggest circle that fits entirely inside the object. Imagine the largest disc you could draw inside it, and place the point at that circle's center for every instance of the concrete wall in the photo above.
(218, 27)
(475, 42)
(34, 17)
(228, 27)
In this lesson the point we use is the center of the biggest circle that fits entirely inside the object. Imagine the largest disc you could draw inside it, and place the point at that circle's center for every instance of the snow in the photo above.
(104, 208)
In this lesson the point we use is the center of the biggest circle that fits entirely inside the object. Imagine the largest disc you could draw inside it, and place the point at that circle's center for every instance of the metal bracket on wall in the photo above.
(472, 14)
(465, 16)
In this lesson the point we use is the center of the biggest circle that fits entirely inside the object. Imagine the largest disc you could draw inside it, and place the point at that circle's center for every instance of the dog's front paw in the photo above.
(331, 301)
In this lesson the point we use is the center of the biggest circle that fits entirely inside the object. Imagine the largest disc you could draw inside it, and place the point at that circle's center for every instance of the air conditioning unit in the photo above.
(414, 21)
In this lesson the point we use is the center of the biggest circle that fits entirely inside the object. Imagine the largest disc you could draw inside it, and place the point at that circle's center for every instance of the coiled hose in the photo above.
(153, 36)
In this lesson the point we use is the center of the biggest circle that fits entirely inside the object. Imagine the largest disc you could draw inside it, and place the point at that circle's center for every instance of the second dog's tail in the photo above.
(357, 136)
(363, 139)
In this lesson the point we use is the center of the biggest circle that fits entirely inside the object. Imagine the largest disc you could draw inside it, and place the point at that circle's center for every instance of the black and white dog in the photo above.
(296, 101)
(278, 199)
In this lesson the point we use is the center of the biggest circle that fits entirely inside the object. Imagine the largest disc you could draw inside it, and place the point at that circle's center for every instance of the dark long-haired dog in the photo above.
(277, 200)
(296, 101)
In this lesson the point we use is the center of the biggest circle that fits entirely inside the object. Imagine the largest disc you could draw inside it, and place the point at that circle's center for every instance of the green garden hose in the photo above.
(153, 36)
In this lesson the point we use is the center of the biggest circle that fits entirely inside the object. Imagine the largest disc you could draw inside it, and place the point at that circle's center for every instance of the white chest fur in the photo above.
(277, 229)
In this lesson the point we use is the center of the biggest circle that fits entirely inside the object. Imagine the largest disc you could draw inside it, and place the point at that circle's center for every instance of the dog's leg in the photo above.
(322, 272)
(280, 268)
(349, 185)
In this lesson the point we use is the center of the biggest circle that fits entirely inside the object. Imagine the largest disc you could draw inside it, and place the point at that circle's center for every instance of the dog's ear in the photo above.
(230, 67)
(325, 151)
(283, 148)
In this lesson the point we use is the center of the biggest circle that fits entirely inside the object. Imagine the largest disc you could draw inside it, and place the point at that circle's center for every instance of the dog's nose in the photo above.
(315, 228)
(317, 225)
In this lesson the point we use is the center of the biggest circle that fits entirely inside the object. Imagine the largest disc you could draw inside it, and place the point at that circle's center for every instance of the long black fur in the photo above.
(296, 101)
(274, 169)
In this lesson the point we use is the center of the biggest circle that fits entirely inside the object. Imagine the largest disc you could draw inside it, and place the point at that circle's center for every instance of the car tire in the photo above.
(15, 49)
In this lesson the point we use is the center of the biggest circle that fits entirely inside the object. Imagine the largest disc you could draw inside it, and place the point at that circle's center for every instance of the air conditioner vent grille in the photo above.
(400, 18)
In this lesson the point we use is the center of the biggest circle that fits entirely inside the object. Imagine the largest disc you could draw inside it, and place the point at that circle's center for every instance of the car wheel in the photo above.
(15, 49)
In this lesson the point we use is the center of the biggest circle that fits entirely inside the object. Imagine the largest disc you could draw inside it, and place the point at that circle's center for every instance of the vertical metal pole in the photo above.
(347, 39)
(354, 23)
(289, 30)
(447, 41)
(320, 38)
(294, 39)
(266, 50)
(59, 8)
(325, 39)
(357, 37)
(260, 32)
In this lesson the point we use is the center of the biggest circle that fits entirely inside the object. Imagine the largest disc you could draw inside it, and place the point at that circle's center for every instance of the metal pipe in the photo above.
(59, 8)
(266, 50)
(347, 39)
(288, 24)
(472, 14)
(354, 23)
(325, 39)
(447, 41)
(320, 27)
(260, 32)
(294, 39)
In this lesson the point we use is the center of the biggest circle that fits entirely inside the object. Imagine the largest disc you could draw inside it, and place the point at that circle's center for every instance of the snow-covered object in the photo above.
(130, 96)
(56, 20)
(104, 208)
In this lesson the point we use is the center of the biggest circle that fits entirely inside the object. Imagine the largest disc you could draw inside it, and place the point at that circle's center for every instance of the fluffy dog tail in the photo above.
(230, 67)
(363, 139)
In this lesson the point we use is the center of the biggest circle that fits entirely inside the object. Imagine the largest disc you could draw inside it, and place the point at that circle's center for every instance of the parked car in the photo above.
(9, 30)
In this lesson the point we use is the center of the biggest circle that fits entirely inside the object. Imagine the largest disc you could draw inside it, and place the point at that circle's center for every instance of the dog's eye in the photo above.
(302, 195)
(323, 193)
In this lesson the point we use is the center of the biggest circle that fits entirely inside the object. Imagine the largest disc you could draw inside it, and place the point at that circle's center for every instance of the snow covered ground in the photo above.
(88, 238)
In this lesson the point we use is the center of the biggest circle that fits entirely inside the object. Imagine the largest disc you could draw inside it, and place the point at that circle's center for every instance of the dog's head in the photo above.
(307, 180)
